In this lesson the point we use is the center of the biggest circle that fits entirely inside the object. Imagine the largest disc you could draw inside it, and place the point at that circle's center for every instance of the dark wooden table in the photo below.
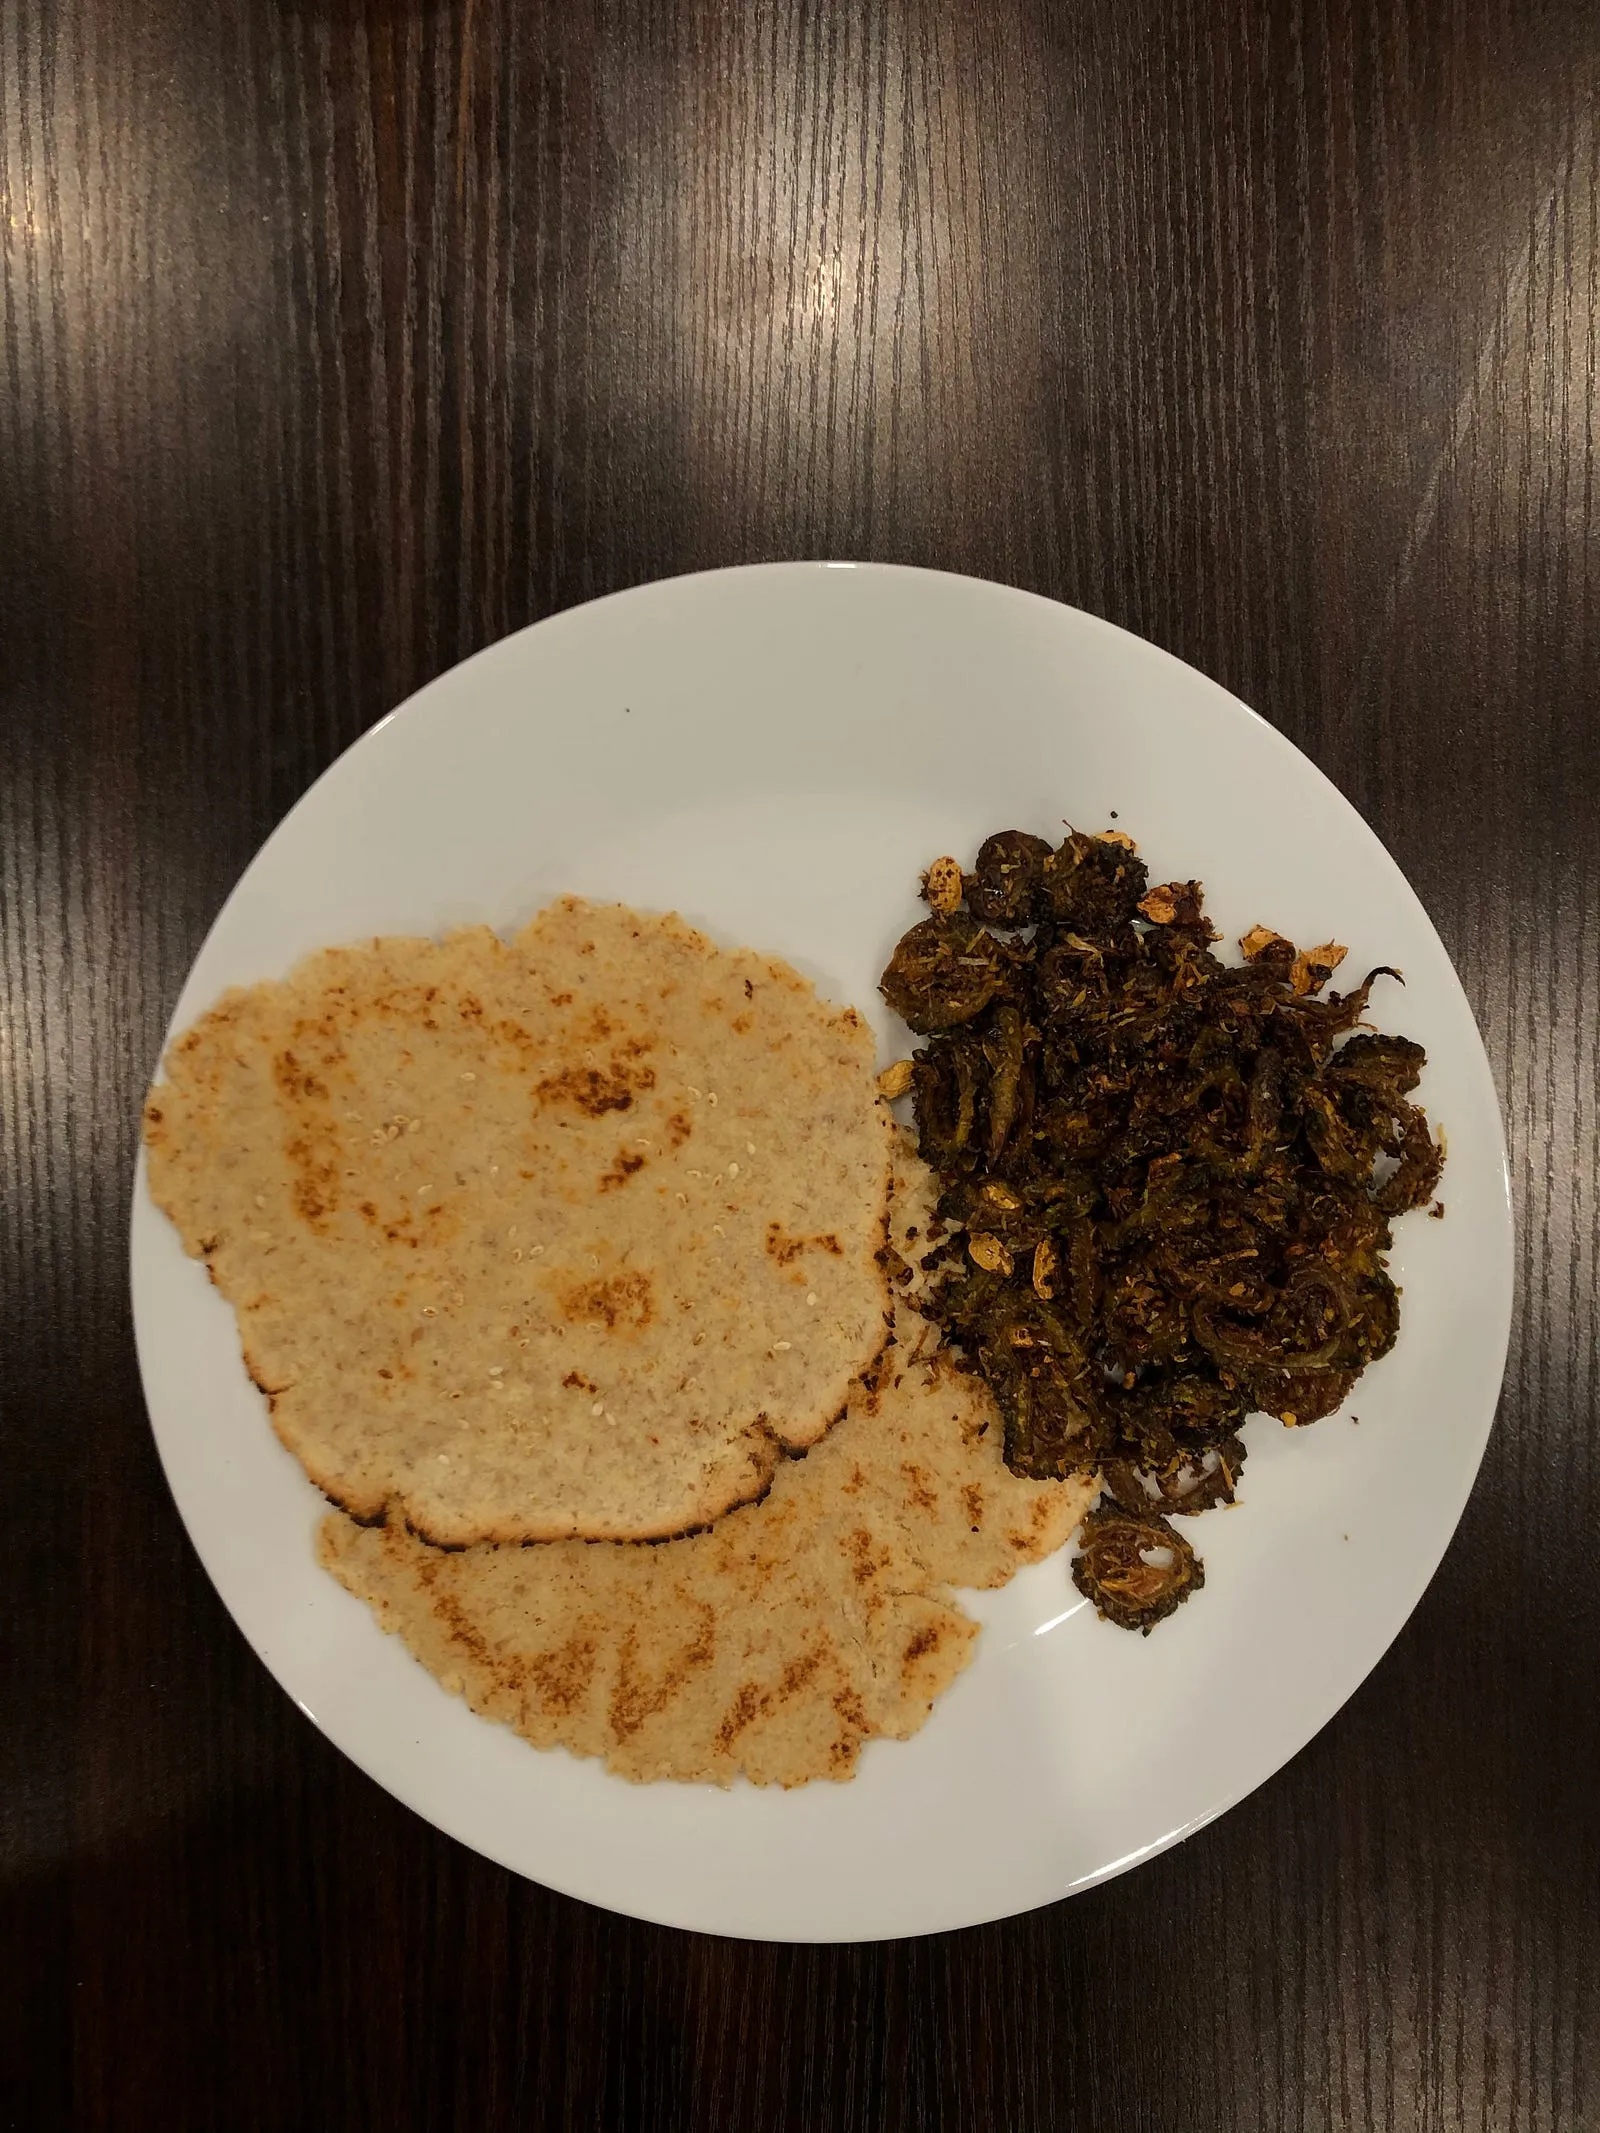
(339, 339)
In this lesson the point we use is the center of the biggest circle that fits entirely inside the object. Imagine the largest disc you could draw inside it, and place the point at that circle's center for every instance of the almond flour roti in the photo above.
(779, 1642)
(574, 1235)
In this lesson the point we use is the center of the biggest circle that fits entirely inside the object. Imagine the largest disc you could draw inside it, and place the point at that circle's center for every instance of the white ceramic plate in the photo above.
(776, 752)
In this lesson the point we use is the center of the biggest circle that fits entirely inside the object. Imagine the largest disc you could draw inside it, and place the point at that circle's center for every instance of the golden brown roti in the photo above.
(773, 1645)
(570, 1236)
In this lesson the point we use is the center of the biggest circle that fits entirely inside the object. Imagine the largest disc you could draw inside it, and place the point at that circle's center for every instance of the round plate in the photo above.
(776, 753)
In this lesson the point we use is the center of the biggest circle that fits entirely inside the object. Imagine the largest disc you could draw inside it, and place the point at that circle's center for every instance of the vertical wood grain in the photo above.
(338, 337)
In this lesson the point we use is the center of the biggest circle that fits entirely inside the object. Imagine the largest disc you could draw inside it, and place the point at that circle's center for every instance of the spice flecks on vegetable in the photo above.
(1167, 1180)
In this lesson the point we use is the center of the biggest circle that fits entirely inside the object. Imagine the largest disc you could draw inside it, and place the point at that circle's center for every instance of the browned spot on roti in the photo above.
(746, 1705)
(561, 1677)
(917, 1488)
(784, 1249)
(454, 1616)
(800, 1669)
(594, 1090)
(295, 1080)
(634, 1698)
(864, 1565)
(625, 1300)
(851, 1709)
(624, 1165)
(316, 1181)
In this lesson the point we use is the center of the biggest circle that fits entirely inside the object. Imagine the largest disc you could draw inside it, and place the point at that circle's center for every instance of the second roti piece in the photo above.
(567, 1237)
(776, 1645)
(779, 1643)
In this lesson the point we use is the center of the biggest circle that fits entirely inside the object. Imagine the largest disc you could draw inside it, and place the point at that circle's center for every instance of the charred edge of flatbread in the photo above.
(868, 1381)
(767, 1451)
(775, 1457)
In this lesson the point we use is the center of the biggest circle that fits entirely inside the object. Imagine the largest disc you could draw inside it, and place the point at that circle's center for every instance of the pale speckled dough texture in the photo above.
(772, 1646)
(571, 1236)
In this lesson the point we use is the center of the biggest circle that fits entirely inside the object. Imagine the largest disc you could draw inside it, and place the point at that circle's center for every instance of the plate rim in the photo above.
(142, 1209)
